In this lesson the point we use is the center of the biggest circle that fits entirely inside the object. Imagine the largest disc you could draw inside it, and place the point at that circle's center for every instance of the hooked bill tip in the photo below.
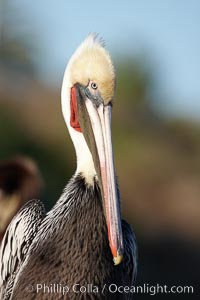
(117, 259)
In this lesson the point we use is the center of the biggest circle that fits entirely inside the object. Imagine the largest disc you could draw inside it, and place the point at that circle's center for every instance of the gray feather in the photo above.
(16, 242)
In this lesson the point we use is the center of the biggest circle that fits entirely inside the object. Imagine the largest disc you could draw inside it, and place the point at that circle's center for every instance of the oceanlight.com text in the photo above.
(63, 289)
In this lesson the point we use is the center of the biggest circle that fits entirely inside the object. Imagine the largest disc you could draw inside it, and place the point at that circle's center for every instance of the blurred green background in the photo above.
(157, 154)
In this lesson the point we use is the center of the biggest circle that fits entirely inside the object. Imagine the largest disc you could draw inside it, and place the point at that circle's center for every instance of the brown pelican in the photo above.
(20, 181)
(82, 250)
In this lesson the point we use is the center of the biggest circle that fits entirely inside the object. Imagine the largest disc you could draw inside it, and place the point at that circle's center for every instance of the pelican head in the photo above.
(87, 94)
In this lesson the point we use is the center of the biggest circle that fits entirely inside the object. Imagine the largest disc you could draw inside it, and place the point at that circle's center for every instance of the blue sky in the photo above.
(169, 31)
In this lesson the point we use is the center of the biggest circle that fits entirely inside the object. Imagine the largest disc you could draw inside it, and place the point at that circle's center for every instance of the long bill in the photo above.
(95, 123)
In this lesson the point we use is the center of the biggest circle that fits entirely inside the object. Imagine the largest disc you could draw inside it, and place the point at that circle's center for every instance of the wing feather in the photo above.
(130, 254)
(16, 242)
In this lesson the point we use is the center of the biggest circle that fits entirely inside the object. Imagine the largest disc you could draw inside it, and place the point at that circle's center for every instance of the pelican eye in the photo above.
(94, 85)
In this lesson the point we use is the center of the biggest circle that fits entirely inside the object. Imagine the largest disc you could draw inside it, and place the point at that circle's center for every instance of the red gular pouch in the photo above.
(73, 111)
